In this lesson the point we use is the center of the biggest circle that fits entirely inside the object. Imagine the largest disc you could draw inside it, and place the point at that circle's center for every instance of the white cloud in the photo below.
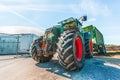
(36, 7)
(16, 1)
(20, 29)
(4, 8)
(91, 7)
(83, 6)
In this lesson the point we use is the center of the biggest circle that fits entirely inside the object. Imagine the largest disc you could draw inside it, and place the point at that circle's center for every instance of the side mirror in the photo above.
(83, 18)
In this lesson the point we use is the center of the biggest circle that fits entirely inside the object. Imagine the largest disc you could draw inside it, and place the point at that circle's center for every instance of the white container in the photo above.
(16, 43)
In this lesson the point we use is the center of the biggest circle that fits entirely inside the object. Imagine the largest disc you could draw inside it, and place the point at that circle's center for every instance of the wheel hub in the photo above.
(79, 48)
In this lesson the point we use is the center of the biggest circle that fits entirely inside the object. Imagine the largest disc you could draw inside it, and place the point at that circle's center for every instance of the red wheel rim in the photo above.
(79, 48)
(91, 46)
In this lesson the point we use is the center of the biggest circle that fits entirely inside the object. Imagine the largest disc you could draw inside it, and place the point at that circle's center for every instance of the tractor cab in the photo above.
(71, 23)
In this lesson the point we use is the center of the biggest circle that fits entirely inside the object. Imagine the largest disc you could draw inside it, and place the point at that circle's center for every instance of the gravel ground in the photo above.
(23, 68)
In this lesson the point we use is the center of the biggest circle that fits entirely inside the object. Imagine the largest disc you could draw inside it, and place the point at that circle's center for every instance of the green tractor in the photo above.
(96, 38)
(68, 40)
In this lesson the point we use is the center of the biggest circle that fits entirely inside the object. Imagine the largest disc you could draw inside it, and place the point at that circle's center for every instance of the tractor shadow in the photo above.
(99, 69)
(94, 69)
(53, 66)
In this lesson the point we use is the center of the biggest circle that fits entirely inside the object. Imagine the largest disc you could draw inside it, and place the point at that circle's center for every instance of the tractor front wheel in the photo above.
(37, 52)
(71, 50)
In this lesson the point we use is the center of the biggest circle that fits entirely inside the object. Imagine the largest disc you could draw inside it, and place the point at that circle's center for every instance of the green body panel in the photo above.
(95, 35)
(58, 28)
(55, 30)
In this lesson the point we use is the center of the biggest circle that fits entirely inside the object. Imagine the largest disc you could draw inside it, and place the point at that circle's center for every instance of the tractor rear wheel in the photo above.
(37, 53)
(71, 50)
(88, 48)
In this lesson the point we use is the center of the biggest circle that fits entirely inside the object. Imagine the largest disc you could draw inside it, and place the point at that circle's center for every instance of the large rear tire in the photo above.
(37, 53)
(88, 48)
(71, 50)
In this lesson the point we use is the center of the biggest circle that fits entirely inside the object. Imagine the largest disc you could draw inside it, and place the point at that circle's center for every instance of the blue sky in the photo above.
(35, 16)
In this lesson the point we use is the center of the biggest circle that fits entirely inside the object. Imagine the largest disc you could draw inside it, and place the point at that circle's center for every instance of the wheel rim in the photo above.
(79, 48)
(42, 45)
(91, 46)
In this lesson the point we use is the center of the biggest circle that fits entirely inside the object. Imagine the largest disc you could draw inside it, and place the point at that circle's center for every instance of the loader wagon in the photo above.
(97, 39)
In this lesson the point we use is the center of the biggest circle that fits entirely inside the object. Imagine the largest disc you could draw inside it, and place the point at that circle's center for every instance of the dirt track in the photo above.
(97, 68)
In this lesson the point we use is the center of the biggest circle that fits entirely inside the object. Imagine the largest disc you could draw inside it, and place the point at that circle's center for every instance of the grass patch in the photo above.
(113, 53)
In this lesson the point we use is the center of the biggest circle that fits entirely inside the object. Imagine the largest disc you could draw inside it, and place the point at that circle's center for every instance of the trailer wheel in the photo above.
(102, 49)
(37, 53)
(88, 48)
(71, 50)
